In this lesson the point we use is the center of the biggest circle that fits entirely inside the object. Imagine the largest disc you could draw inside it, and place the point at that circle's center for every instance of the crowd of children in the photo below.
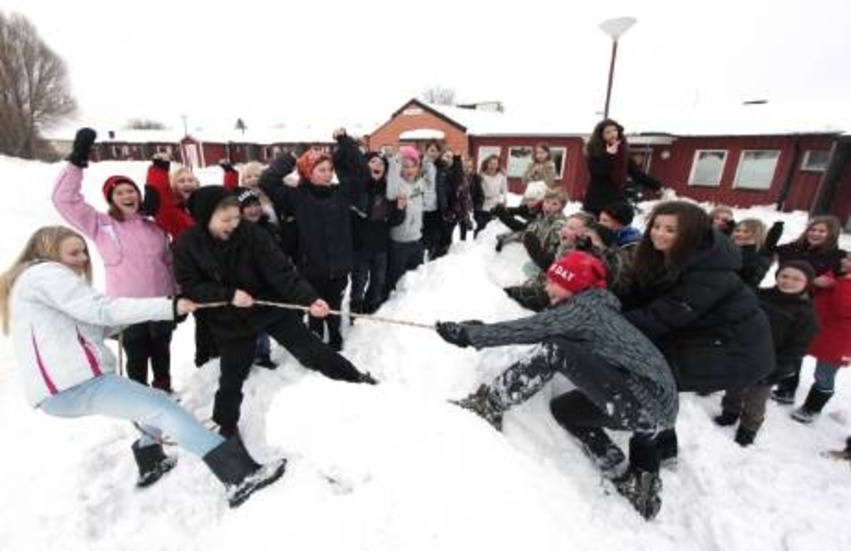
(630, 318)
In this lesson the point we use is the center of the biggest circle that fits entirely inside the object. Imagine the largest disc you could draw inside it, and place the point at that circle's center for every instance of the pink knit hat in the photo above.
(408, 152)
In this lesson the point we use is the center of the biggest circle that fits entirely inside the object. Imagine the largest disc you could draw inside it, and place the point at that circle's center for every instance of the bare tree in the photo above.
(439, 96)
(240, 125)
(34, 90)
(144, 124)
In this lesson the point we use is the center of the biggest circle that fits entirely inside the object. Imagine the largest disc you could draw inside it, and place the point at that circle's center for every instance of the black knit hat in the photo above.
(247, 196)
(205, 200)
(621, 211)
(370, 155)
(802, 266)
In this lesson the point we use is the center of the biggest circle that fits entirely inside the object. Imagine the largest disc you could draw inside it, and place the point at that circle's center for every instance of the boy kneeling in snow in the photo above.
(622, 380)
(221, 260)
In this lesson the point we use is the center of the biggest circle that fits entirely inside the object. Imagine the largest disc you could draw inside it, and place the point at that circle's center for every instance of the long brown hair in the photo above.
(694, 228)
(486, 162)
(834, 228)
(596, 145)
(42, 245)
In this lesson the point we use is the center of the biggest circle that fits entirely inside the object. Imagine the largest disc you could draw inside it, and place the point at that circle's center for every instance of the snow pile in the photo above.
(395, 466)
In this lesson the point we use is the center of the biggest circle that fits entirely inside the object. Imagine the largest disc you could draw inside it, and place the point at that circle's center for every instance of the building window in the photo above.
(816, 160)
(756, 169)
(707, 167)
(559, 157)
(519, 159)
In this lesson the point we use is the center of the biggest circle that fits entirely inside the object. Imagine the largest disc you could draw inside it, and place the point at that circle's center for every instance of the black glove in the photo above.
(160, 162)
(772, 237)
(453, 333)
(83, 142)
(151, 202)
(226, 165)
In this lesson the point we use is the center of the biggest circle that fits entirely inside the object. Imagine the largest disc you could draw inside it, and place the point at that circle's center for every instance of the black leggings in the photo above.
(149, 341)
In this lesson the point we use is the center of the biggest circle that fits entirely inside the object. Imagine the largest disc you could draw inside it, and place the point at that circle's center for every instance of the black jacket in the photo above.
(755, 265)
(705, 320)
(324, 225)
(447, 179)
(793, 328)
(274, 176)
(211, 270)
(372, 213)
(603, 190)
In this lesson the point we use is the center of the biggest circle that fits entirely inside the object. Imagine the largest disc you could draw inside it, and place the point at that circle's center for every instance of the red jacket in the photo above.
(833, 309)
(171, 216)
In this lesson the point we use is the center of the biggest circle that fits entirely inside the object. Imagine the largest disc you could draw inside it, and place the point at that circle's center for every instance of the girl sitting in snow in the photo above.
(542, 168)
(58, 324)
(622, 380)
(135, 252)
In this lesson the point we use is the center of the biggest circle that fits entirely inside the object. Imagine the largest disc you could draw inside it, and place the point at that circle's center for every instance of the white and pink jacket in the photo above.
(58, 325)
(135, 251)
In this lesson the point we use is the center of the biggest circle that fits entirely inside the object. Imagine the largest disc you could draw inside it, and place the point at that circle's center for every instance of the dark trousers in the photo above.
(289, 332)
(369, 267)
(331, 290)
(402, 257)
(748, 403)
(205, 344)
(432, 232)
(602, 399)
(149, 341)
(514, 223)
(444, 239)
(482, 219)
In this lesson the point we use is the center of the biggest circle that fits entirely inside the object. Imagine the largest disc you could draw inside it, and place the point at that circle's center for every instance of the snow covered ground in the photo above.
(412, 472)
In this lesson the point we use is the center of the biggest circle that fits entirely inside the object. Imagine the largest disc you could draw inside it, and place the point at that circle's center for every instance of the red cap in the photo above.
(577, 272)
(112, 182)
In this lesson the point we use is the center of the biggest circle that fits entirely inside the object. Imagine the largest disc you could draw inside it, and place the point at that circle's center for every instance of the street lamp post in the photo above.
(614, 28)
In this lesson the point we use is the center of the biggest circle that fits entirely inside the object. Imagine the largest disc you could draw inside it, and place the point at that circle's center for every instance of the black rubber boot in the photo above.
(153, 463)
(745, 437)
(816, 399)
(241, 475)
(598, 447)
(726, 419)
(668, 447)
(641, 484)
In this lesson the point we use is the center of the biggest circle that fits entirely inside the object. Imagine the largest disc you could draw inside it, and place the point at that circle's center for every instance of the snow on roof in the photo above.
(422, 134)
(769, 118)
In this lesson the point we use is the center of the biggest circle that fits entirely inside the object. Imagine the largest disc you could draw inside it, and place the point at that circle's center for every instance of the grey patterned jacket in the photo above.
(594, 319)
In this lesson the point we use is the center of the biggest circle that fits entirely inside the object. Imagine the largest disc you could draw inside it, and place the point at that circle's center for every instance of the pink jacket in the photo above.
(135, 251)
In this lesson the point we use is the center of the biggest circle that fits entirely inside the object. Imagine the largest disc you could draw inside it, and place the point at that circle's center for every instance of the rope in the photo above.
(289, 306)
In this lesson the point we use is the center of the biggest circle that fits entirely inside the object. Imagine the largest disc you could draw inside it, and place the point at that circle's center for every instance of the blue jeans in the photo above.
(114, 396)
(825, 375)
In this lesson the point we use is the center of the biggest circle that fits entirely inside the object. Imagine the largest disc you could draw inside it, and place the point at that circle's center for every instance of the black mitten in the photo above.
(453, 333)
(83, 142)
(151, 202)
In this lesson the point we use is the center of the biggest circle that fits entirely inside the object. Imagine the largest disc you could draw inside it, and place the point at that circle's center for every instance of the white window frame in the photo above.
(515, 167)
(806, 165)
(563, 150)
(694, 160)
(756, 187)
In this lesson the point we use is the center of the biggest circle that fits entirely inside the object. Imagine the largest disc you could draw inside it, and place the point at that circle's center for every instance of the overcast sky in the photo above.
(360, 60)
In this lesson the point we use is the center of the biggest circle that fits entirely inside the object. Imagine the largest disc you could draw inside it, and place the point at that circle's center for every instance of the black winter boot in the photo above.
(668, 447)
(241, 475)
(816, 399)
(641, 484)
(745, 437)
(726, 419)
(784, 392)
(265, 361)
(484, 405)
(153, 463)
(366, 379)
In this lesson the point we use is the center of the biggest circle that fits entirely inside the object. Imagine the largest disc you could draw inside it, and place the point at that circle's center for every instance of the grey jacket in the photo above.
(411, 228)
(593, 318)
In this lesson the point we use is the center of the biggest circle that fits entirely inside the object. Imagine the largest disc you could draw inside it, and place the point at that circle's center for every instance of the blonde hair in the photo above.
(172, 178)
(42, 245)
(252, 169)
(757, 228)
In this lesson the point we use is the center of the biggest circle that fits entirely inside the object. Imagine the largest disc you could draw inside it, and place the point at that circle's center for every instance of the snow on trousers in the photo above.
(294, 336)
(605, 401)
(114, 396)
